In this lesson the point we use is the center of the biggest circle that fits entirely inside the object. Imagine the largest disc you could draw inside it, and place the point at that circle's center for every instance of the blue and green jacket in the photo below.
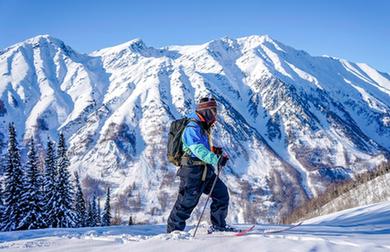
(196, 142)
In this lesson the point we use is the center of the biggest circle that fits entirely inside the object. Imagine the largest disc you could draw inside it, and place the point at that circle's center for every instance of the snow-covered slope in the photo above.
(373, 215)
(291, 123)
(373, 191)
(359, 229)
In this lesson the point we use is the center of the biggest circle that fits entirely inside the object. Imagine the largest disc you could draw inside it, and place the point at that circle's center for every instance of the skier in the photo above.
(196, 171)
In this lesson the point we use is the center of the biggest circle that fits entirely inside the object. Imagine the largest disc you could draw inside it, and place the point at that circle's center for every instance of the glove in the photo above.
(216, 150)
(223, 160)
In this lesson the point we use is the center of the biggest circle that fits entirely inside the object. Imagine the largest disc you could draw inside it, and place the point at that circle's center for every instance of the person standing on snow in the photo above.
(196, 171)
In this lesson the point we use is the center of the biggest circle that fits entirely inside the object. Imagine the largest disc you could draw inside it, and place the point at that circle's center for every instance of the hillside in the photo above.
(373, 191)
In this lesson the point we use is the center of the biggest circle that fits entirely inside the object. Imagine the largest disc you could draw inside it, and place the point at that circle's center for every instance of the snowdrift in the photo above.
(364, 228)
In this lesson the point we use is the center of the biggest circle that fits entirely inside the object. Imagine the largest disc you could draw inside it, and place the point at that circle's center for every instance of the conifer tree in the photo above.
(13, 186)
(49, 184)
(32, 196)
(94, 211)
(62, 211)
(2, 169)
(90, 215)
(80, 209)
(131, 221)
(106, 218)
(2, 208)
(98, 213)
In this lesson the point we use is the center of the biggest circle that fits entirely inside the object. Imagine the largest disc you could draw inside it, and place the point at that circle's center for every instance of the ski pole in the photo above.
(207, 200)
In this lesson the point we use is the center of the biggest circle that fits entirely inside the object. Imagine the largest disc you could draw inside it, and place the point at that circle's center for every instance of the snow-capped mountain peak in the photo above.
(134, 45)
(291, 123)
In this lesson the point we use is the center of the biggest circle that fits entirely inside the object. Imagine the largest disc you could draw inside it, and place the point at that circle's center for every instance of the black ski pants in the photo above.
(190, 189)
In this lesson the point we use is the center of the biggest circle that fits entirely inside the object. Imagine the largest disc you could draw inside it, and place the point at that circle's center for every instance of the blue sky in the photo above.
(355, 30)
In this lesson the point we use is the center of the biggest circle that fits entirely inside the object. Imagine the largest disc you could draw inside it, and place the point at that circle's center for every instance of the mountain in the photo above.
(291, 123)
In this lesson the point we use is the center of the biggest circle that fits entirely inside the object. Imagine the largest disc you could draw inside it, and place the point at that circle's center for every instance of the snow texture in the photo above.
(364, 228)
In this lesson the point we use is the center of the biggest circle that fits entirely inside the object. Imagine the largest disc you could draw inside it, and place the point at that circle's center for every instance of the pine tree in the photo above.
(2, 170)
(106, 218)
(98, 213)
(2, 208)
(62, 211)
(131, 221)
(94, 211)
(32, 197)
(80, 209)
(49, 184)
(13, 187)
(90, 216)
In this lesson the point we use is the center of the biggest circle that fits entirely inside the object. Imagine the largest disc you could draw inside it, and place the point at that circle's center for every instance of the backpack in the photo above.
(175, 145)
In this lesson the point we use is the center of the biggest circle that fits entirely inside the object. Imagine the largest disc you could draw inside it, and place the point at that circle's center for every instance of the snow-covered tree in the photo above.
(49, 183)
(131, 221)
(32, 196)
(2, 208)
(62, 210)
(94, 211)
(93, 218)
(91, 215)
(98, 213)
(2, 169)
(80, 209)
(106, 218)
(13, 186)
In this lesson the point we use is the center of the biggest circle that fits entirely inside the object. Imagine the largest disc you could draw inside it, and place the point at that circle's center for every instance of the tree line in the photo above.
(309, 208)
(34, 195)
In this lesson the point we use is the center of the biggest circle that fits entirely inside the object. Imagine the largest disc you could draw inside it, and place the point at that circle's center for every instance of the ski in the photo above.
(233, 233)
(282, 229)
(245, 231)
(249, 230)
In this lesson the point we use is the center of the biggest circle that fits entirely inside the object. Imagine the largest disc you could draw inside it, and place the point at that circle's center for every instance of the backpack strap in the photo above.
(187, 160)
(205, 132)
(193, 120)
(198, 123)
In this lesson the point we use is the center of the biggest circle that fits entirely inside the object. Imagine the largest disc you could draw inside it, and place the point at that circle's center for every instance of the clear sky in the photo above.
(355, 30)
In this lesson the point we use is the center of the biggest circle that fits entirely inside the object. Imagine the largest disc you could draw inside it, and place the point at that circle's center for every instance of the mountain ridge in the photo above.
(291, 123)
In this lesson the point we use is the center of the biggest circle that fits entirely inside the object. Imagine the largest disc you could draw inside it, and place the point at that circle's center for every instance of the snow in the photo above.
(364, 228)
(373, 191)
(376, 216)
(305, 175)
(375, 76)
(114, 106)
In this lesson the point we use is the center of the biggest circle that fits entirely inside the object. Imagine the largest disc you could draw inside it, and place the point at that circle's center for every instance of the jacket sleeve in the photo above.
(192, 141)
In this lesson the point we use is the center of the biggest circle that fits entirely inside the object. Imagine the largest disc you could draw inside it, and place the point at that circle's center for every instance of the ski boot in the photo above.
(226, 228)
